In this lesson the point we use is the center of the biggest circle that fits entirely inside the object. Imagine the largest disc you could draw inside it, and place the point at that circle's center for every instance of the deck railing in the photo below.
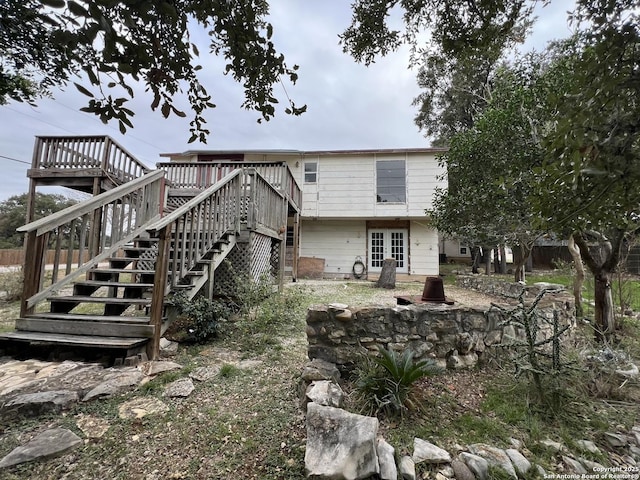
(201, 175)
(87, 152)
(193, 229)
(98, 226)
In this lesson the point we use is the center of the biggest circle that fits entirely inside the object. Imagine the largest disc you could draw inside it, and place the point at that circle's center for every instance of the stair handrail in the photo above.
(104, 223)
(209, 216)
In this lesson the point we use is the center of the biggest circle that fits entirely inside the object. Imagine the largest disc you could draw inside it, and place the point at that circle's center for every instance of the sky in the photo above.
(349, 105)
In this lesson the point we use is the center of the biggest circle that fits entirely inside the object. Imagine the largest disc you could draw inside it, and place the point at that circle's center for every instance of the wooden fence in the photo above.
(14, 257)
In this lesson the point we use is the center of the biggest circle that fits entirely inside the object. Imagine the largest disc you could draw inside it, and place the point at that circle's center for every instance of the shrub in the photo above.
(11, 284)
(384, 383)
(203, 316)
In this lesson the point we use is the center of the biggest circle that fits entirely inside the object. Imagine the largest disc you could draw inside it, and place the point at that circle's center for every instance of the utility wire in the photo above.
(15, 160)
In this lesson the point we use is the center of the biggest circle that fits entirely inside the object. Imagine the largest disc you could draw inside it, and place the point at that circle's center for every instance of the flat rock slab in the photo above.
(116, 382)
(40, 402)
(427, 452)
(204, 374)
(180, 388)
(156, 368)
(92, 426)
(50, 443)
(141, 407)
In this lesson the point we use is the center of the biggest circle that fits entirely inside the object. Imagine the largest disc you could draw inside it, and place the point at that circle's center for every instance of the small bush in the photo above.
(11, 283)
(384, 384)
(203, 316)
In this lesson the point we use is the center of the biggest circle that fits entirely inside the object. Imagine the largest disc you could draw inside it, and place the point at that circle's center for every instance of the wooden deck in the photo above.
(141, 237)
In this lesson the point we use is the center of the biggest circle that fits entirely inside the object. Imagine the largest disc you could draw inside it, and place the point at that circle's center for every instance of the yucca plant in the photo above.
(384, 383)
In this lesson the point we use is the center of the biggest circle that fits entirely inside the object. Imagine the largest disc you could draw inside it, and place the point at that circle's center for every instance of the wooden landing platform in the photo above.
(53, 339)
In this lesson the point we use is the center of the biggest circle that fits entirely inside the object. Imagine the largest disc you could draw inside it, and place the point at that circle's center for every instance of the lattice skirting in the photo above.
(256, 259)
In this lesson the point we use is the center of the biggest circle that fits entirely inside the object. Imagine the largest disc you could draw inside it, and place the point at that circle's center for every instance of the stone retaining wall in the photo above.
(499, 288)
(455, 336)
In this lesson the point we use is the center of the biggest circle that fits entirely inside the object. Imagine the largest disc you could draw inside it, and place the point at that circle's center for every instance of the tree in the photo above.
(467, 39)
(13, 212)
(593, 146)
(491, 167)
(46, 43)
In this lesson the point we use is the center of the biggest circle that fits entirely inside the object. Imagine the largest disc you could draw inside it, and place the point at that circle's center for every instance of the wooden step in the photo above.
(122, 270)
(107, 283)
(37, 338)
(76, 327)
(106, 300)
(91, 318)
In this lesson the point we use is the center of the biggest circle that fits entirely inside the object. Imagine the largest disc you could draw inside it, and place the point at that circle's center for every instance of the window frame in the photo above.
(314, 172)
(400, 191)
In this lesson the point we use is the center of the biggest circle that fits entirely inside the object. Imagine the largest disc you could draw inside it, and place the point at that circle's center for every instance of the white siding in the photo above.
(422, 179)
(346, 185)
(423, 251)
(338, 242)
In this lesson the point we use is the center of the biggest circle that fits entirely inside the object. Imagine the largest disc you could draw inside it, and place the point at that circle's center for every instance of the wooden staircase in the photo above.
(110, 308)
(135, 250)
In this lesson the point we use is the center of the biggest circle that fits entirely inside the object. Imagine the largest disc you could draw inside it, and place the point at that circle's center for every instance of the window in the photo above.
(390, 181)
(463, 250)
(310, 172)
(290, 237)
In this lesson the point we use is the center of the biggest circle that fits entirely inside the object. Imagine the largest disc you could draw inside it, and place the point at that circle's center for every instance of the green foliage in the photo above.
(114, 45)
(13, 214)
(384, 383)
(204, 316)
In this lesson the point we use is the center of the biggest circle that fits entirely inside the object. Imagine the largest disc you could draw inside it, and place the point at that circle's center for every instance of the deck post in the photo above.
(296, 253)
(159, 286)
(33, 267)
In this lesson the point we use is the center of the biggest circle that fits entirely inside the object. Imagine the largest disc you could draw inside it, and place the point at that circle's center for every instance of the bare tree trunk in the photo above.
(475, 259)
(503, 259)
(578, 279)
(525, 254)
(487, 260)
(604, 319)
(602, 269)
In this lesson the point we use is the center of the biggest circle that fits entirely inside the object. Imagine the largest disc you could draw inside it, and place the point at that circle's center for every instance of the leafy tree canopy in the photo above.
(13, 213)
(47, 43)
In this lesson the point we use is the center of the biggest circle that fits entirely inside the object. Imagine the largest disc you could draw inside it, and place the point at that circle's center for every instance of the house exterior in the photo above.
(358, 208)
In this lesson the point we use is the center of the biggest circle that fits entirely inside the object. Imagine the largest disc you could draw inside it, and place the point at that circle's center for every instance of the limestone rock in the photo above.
(573, 465)
(324, 392)
(587, 446)
(407, 468)
(592, 467)
(427, 452)
(461, 471)
(340, 444)
(48, 444)
(616, 440)
(40, 402)
(386, 460)
(555, 446)
(115, 382)
(494, 456)
(478, 465)
(519, 461)
(204, 374)
(141, 407)
(319, 369)
(168, 348)
(92, 426)
(182, 387)
(158, 367)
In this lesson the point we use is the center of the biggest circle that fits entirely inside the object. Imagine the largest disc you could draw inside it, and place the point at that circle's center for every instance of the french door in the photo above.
(388, 243)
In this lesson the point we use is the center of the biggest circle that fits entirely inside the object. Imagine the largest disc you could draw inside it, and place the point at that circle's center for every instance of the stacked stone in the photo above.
(454, 336)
